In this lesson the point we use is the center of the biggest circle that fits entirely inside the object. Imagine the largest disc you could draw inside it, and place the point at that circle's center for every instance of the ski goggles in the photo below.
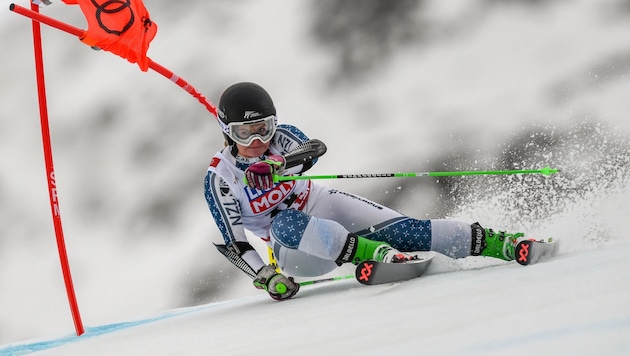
(245, 133)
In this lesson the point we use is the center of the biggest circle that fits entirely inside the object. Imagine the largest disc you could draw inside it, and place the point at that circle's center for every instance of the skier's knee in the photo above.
(288, 227)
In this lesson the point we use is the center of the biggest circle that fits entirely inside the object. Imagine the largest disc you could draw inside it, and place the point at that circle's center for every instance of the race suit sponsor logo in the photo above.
(350, 248)
(335, 191)
(478, 239)
(261, 201)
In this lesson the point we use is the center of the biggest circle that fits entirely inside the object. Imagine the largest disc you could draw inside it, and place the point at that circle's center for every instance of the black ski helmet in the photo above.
(243, 102)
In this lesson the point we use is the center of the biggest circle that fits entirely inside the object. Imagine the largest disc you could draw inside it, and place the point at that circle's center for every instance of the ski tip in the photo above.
(522, 252)
(531, 251)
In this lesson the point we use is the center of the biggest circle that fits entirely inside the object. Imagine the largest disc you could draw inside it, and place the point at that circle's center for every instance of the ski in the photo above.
(373, 272)
(528, 252)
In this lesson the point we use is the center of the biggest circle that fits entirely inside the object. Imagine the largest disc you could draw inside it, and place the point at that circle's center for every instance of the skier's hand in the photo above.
(260, 174)
(276, 284)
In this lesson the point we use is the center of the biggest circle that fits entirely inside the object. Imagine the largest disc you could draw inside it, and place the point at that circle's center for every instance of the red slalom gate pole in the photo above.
(50, 173)
(36, 16)
(184, 85)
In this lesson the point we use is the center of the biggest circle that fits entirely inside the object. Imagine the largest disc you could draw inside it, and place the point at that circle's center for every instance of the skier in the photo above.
(311, 229)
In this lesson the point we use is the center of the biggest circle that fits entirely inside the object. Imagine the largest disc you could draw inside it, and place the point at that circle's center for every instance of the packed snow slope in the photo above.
(575, 304)
(430, 85)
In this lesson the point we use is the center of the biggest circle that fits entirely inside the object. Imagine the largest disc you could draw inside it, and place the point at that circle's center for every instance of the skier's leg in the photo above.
(377, 222)
(305, 246)
(373, 221)
(447, 236)
(450, 237)
(296, 235)
(301, 264)
(351, 211)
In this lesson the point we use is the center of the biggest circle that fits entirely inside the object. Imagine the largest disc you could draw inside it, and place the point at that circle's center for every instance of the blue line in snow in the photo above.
(21, 349)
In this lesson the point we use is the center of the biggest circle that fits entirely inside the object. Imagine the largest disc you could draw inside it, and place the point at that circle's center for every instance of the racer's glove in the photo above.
(260, 174)
(276, 284)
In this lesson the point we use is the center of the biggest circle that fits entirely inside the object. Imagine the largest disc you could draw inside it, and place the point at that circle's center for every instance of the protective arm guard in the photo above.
(305, 154)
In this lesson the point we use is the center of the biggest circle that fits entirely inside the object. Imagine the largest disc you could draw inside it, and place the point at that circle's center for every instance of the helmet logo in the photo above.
(251, 114)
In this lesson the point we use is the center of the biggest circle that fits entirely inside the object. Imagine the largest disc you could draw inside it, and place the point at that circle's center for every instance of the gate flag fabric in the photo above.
(122, 27)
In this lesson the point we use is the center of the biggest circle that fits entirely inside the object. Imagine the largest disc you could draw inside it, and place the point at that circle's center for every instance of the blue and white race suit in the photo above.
(307, 224)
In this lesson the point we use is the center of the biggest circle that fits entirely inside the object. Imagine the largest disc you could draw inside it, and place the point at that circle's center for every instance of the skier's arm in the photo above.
(226, 211)
(305, 154)
(299, 151)
(300, 158)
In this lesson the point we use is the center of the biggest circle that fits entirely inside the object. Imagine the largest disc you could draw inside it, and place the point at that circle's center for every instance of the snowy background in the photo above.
(389, 86)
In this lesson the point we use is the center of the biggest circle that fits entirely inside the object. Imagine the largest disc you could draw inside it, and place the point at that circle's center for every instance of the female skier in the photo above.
(311, 229)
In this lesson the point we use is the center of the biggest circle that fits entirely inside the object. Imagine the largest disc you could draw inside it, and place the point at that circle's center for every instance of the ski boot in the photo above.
(486, 242)
(358, 249)
(386, 253)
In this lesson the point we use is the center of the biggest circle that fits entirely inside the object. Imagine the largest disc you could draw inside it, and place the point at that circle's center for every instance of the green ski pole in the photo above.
(544, 171)
(331, 279)
(282, 288)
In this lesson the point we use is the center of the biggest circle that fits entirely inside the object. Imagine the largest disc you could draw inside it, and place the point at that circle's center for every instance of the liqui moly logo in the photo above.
(261, 201)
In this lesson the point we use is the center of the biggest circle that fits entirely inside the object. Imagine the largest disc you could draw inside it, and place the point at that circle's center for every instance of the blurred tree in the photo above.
(364, 32)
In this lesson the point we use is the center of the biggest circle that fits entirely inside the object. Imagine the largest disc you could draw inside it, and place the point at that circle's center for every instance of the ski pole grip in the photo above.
(281, 288)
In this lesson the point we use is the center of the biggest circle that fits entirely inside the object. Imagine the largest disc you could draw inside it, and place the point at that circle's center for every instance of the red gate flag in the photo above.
(36, 16)
(122, 27)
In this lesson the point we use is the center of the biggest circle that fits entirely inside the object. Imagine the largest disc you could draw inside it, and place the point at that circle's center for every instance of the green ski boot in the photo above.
(487, 242)
(358, 249)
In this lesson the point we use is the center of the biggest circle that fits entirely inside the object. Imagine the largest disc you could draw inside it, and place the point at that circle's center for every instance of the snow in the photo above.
(575, 304)
(131, 149)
